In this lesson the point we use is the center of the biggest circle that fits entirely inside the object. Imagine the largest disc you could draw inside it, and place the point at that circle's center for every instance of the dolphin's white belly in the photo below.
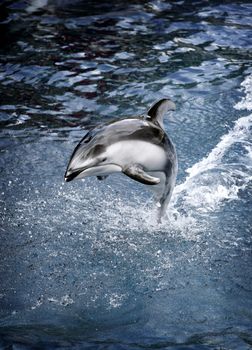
(150, 156)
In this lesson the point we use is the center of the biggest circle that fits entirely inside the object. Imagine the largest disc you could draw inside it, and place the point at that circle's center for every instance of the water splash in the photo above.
(246, 102)
(225, 171)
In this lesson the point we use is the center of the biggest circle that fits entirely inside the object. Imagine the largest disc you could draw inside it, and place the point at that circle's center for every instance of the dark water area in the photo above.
(84, 265)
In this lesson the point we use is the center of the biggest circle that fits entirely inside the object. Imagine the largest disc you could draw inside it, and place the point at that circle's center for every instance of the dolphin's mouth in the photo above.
(98, 170)
(69, 176)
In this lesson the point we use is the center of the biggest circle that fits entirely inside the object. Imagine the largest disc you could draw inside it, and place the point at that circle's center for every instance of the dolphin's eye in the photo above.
(104, 159)
(87, 138)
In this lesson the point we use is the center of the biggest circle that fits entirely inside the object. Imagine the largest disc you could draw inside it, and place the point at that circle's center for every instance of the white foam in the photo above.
(246, 102)
(239, 133)
(212, 180)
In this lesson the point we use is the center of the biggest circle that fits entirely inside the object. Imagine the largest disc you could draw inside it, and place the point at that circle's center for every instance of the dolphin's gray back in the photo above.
(127, 130)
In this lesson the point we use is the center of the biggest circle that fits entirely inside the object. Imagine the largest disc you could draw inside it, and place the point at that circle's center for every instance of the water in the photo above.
(84, 264)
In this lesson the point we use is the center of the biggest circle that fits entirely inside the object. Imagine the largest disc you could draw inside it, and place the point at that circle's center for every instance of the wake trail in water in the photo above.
(225, 171)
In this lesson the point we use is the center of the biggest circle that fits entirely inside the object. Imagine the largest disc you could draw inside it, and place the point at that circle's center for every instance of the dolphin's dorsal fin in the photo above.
(136, 172)
(159, 108)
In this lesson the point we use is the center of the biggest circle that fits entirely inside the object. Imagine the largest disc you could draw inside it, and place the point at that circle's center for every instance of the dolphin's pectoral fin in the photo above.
(102, 177)
(136, 172)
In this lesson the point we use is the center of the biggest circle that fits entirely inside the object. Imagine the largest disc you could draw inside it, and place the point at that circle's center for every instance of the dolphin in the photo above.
(137, 147)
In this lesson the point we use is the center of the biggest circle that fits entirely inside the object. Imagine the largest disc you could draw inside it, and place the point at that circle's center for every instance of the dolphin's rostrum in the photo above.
(137, 146)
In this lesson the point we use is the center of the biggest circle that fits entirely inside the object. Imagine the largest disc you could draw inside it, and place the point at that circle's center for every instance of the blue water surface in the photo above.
(84, 265)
